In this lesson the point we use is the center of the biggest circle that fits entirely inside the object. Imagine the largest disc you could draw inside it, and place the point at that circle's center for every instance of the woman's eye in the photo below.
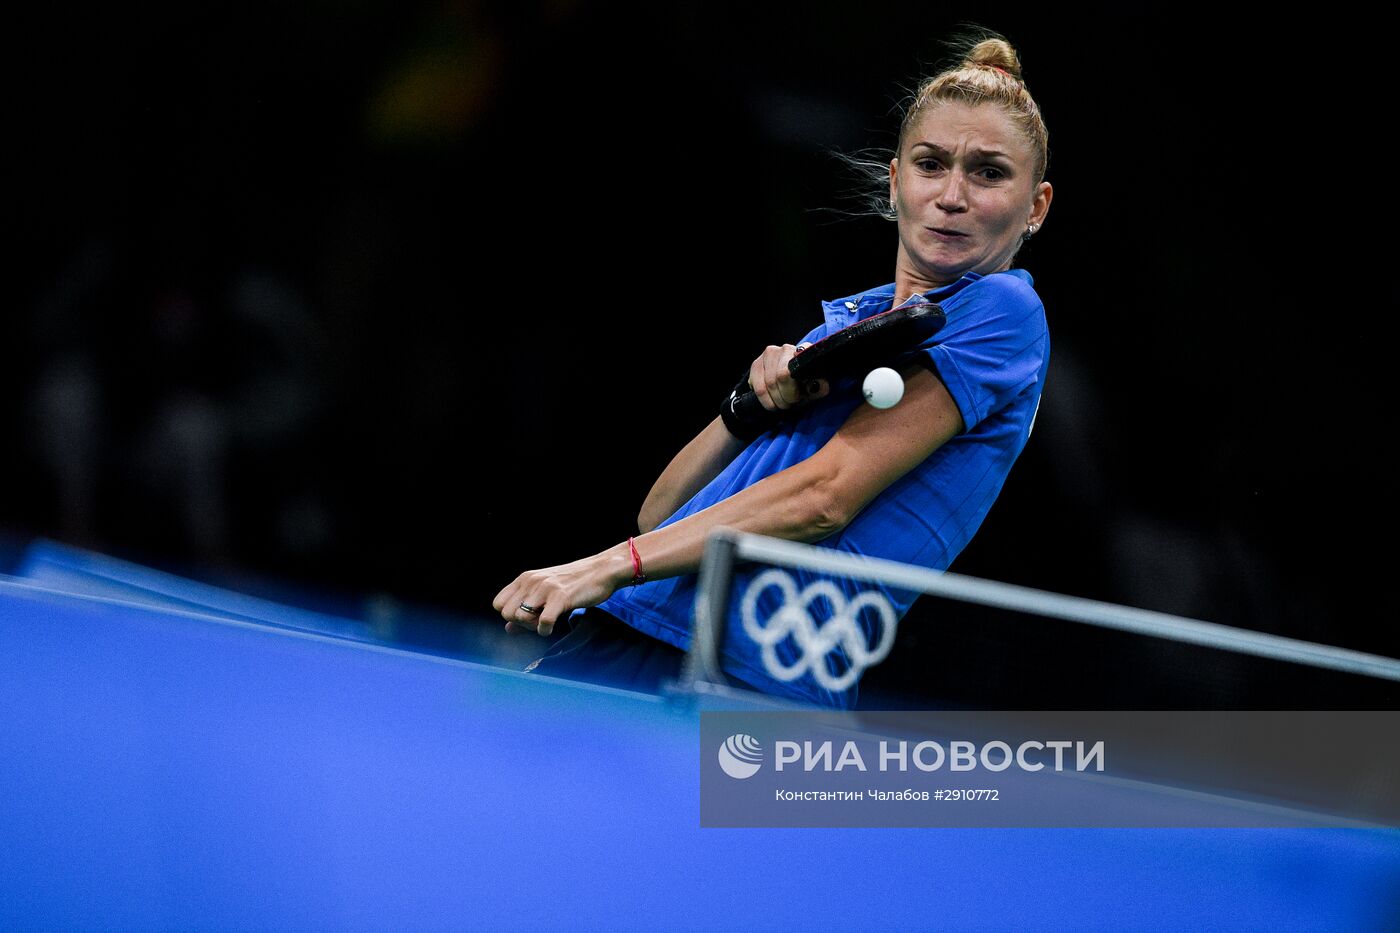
(992, 173)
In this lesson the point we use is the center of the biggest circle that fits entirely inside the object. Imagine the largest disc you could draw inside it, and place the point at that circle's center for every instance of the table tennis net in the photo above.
(973, 643)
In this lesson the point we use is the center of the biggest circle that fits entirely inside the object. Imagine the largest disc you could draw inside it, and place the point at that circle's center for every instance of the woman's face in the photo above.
(964, 192)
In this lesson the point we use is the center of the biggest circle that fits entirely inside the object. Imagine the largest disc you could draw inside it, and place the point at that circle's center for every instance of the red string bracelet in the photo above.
(637, 575)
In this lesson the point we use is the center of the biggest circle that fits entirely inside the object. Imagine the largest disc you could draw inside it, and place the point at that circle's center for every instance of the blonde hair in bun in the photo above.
(988, 71)
(985, 69)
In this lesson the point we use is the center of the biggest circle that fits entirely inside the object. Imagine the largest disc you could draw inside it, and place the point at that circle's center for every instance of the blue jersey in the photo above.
(992, 356)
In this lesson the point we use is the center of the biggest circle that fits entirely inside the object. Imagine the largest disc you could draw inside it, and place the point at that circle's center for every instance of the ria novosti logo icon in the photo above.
(741, 756)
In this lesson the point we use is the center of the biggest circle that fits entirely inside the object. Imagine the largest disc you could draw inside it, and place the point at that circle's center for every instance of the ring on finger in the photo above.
(528, 608)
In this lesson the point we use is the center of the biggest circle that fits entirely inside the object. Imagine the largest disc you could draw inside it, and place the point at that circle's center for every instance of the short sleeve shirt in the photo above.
(992, 355)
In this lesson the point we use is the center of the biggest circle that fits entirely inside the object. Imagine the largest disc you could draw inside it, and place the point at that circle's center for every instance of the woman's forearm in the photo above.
(698, 462)
(798, 504)
(795, 504)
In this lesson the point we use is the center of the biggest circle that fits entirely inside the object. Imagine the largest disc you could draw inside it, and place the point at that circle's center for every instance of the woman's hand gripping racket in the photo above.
(852, 351)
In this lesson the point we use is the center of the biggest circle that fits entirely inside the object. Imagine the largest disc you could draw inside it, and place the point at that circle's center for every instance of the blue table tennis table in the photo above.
(167, 767)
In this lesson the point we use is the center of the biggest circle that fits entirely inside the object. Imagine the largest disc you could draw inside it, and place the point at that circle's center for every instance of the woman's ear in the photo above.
(894, 180)
(1041, 205)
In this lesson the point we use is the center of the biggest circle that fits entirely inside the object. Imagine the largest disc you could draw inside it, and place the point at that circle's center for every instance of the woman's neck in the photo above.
(904, 289)
(909, 281)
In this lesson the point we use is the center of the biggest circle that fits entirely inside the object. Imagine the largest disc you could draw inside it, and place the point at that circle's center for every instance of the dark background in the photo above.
(410, 297)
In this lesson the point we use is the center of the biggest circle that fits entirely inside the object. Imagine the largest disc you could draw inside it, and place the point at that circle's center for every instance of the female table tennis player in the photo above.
(910, 483)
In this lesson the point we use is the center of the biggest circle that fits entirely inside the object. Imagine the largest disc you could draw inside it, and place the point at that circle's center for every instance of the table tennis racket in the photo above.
(850, 351)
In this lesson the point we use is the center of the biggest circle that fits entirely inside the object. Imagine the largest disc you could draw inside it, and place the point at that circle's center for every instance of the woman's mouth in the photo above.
(945, 234)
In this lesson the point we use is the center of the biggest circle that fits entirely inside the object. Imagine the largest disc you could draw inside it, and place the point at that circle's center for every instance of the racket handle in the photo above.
(744, 415)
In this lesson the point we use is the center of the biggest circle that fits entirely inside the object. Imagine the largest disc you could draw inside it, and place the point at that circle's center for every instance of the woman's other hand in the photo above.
(773, 383)
(555, 591)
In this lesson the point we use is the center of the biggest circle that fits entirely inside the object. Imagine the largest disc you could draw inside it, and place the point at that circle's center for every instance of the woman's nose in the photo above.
(951, 198)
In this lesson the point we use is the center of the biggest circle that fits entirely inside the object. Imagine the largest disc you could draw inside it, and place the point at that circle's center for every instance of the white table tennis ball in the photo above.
(883, 387)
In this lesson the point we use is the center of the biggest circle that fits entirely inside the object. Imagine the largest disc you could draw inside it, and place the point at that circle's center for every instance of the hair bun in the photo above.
(994, 53)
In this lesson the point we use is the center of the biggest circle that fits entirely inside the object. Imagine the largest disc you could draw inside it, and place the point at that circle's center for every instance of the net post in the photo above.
(711, 601)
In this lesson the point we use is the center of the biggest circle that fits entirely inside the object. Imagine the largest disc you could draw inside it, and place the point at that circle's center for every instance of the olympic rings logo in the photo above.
(793, 618)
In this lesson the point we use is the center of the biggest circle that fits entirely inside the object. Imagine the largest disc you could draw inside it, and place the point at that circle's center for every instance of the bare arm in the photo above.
(698, 462)
(795, 504)
(714, 448)
(806, 502)
(873, 448)
(819, 496)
